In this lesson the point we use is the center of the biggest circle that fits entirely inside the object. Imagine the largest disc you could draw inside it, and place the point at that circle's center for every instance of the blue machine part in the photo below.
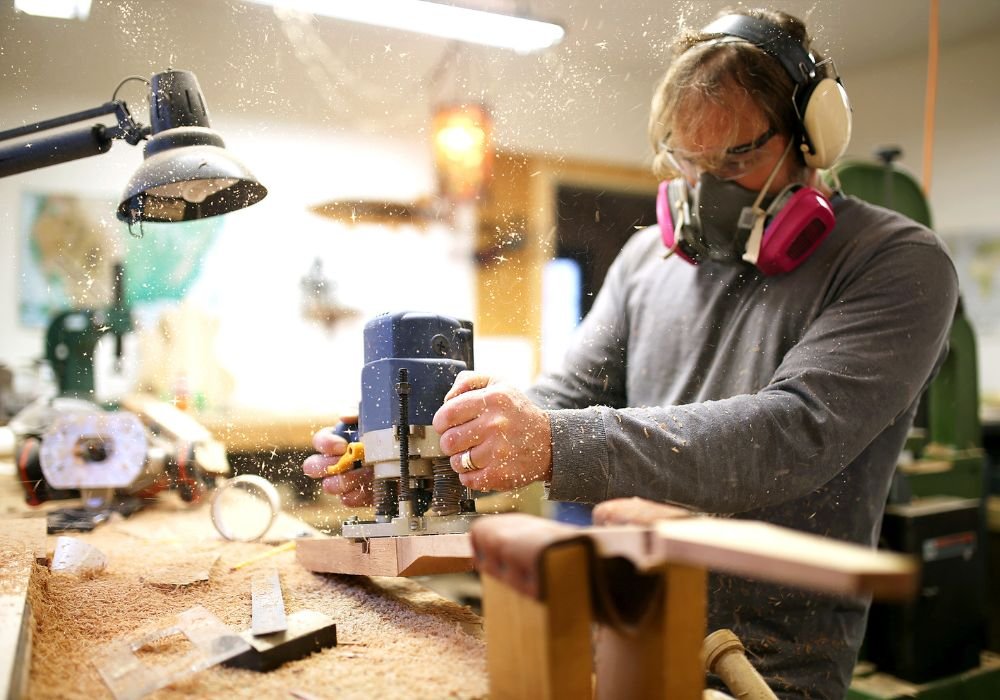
(433, 349)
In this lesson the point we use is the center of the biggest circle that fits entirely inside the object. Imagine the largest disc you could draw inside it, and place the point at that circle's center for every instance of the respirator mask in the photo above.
(721, 221)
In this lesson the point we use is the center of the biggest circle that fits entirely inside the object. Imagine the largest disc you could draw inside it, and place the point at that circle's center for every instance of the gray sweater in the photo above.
(785, 399)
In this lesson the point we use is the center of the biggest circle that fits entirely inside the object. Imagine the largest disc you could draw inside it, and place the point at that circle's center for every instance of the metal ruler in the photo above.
(268, 613)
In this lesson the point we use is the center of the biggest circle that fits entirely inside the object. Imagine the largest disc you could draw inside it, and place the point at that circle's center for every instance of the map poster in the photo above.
(69, 245)
(977, 259)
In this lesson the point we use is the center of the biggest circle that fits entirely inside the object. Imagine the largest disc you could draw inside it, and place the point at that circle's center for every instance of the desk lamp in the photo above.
(186, 173)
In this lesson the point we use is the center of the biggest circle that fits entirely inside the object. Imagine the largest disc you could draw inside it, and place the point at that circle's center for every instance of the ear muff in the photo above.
(821, 103)
(826, 121)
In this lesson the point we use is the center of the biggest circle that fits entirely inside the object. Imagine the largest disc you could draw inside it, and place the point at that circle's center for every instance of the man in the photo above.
(783, 396)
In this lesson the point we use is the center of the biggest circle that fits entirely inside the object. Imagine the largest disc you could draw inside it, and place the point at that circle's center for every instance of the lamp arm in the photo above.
(68, 145)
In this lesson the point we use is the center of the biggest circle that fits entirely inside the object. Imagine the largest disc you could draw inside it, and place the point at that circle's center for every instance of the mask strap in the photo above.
(837, 187)
(682, 215)
(756, 238)
(672, 249)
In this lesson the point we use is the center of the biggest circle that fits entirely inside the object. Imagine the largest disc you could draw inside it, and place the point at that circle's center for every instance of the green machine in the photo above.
(932, 648)
(72, 337)
(947, 444)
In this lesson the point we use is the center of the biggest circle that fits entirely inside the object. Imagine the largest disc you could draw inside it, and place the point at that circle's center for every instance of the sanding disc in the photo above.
(93, 450)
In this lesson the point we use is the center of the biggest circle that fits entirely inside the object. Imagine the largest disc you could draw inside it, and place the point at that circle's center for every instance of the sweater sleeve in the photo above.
(860, 365)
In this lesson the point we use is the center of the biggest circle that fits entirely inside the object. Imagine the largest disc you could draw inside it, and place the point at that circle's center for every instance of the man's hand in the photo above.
(636, 511)
(508, 439)
(354, 487)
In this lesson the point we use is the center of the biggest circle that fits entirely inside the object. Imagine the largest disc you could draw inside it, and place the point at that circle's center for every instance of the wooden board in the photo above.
(22, 543)
(244, 430)
(419, 555)
(240, 430)
(171, 420)
(767, 552)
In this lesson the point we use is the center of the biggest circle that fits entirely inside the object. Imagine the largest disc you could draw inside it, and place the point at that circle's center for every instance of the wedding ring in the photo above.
(467, 463)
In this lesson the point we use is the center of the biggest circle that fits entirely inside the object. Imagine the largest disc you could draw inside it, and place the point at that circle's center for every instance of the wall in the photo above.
(305, 155)
(888, 104)
(311, 134)
(889, 109)
(250, 278)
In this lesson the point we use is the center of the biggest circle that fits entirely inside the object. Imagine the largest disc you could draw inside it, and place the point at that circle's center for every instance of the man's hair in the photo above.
(712, 68)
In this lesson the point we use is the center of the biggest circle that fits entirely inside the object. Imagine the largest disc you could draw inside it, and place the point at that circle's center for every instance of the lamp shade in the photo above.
(186, 171)
(187, 174)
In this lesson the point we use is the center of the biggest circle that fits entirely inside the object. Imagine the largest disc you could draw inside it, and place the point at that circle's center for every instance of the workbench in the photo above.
(395, 637)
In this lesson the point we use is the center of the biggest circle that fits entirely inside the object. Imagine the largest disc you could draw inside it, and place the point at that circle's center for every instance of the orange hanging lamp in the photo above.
(463, 149)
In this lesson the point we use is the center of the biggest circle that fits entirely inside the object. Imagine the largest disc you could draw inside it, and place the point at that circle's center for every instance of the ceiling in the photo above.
(277, 68)
(618, 35)
(854, 32)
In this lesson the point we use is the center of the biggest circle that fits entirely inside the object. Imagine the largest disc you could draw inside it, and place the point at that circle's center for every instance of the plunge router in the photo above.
(411, 362)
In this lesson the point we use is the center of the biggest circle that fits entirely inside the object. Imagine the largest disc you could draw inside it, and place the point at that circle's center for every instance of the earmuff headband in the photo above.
(820, 103)
(769, 37)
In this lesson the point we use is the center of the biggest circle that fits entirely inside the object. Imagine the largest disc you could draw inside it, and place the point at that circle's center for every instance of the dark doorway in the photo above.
(593, 225)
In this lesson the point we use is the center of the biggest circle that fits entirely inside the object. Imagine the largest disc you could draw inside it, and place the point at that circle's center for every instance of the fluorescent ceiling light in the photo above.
(446, 21)
(63, 9)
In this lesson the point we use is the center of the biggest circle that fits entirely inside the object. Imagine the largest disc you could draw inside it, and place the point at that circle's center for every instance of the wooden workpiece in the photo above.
(170, 420)
(419, 555)
(256, 431)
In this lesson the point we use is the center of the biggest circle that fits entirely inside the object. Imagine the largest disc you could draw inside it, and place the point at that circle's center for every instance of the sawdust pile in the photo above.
(395, 639)
(21, 541)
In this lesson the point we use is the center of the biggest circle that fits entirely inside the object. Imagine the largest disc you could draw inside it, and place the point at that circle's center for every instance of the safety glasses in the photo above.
(729, 164)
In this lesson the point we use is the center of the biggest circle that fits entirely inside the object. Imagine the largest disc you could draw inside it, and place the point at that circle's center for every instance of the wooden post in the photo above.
(660, 658)
(541, 649)
(684, 611)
